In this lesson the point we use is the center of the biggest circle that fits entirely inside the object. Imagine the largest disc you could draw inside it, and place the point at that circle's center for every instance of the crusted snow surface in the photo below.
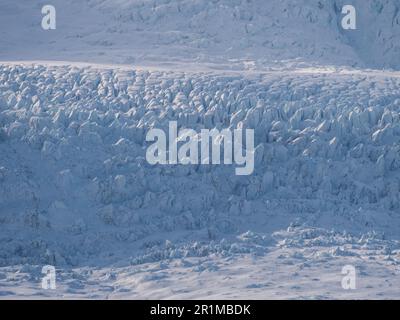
(76, 190)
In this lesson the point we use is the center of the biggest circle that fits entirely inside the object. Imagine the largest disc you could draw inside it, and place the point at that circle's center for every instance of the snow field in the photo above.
(305, 263)
(193, 34)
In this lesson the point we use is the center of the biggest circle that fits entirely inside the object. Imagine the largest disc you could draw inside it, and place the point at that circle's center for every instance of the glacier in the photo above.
(77, 192)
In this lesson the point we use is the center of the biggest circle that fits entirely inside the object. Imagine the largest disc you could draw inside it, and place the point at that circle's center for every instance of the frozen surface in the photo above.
(219, 34)
(76, 191)
(309, 268)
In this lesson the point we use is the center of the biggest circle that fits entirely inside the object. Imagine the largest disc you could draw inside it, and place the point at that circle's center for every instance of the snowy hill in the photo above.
(77, 192)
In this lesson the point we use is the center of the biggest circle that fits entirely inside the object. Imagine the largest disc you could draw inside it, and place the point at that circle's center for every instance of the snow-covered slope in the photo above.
(225, 34)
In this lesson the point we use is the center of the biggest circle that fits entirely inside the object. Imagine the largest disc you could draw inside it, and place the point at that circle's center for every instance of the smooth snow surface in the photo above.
(76, 190)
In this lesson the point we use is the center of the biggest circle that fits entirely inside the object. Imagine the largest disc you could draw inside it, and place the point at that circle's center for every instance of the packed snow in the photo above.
(76, 190)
